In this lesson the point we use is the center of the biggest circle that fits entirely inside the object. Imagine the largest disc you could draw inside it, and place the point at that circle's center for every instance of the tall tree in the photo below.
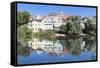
(74, 25)
(90, 25)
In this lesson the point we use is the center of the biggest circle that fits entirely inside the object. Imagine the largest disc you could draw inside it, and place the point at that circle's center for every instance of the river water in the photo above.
(59, 50)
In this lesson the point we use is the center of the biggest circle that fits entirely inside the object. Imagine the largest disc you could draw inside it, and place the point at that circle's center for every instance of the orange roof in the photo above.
(43, 17)
(30, 18)
(65, 17)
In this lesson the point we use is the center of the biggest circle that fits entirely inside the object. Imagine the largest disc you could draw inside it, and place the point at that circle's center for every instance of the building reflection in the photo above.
(59, 47)
(50, 47)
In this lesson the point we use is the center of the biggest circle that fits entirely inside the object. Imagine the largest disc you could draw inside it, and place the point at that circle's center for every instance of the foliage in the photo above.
(90, 44)
(22, 18)
(23, 51)
(63, 28)
(76, 45)
(73, 25)
(24, 34)
(44, 35)
(72, 45)
(90, 25)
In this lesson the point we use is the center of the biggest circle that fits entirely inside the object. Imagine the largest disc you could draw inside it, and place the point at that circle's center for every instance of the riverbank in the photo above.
(61, 36)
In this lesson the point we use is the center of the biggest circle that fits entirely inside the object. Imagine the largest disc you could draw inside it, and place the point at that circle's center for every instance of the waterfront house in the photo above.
(49, 22)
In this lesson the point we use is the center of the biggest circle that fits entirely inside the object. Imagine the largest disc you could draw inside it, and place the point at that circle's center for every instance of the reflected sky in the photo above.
(34, 58)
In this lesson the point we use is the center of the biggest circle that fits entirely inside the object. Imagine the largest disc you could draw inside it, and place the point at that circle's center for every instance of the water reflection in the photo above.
(76, 49)
(53, 48)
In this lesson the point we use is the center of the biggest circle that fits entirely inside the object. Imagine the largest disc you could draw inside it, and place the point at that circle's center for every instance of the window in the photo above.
(35, 24)
(38, 24)
(35, 44)
(45, 21)
(47, 24)
(32, 29)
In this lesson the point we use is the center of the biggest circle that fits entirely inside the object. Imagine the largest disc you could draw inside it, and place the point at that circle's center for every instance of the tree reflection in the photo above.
(75, 46)
(72, 45)
(23, 50)
(90, 44)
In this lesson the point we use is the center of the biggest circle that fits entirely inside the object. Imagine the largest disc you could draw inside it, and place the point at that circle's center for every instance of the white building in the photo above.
(47, 24)
(35, 23)
(50, 22)
(35, 26)
(53, 20)
(85, 19)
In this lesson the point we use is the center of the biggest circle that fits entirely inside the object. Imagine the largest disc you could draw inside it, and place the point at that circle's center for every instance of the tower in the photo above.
(61, 13)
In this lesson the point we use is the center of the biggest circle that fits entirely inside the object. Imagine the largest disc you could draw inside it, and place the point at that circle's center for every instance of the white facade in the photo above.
(35, 26)
(53, 20)
(47, 24)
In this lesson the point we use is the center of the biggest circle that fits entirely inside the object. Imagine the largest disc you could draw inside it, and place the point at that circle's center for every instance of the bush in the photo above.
(24, 34)
(44, 35)
(22, 18)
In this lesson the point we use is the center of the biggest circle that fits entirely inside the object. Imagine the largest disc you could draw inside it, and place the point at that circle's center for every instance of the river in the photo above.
(59, 50)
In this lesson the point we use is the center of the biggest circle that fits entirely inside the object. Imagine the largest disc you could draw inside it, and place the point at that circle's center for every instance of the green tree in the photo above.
(22, 17)
(48, 35)
(24, 34)
(90, 25)
(63, 28)
(74, 25)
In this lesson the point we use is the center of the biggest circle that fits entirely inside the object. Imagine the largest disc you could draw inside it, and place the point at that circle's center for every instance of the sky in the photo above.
(44, 10)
